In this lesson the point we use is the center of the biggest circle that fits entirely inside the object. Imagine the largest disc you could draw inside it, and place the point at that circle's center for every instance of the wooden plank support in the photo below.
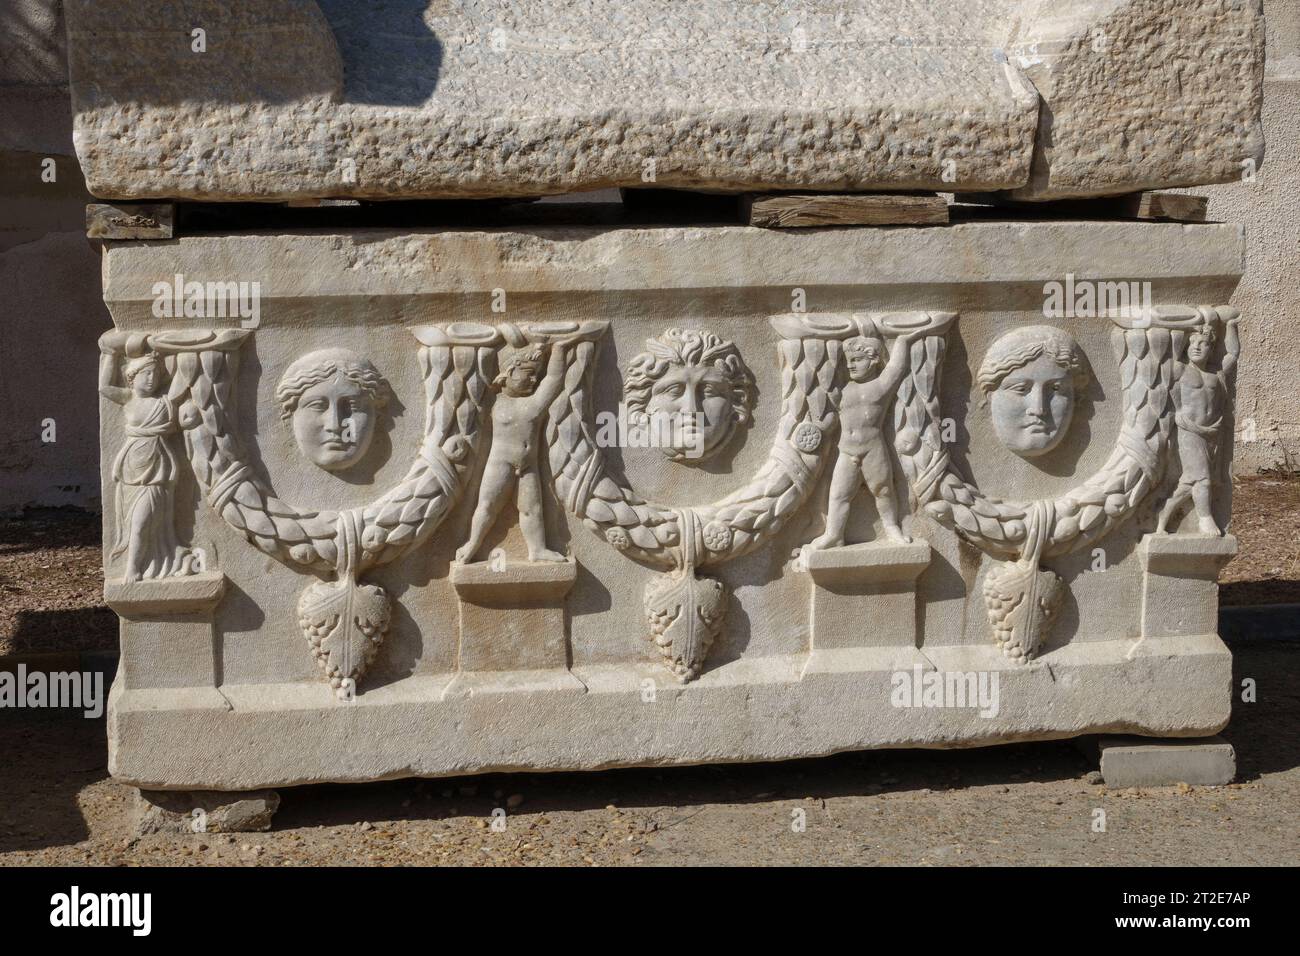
(1154, 206)
(130, 220)
(1173, 206)
(809, 210)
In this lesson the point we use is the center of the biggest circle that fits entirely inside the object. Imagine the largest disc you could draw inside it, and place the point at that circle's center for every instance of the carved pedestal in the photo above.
(169, 653)
(865, 607)
(1180, 583)
(513, 634)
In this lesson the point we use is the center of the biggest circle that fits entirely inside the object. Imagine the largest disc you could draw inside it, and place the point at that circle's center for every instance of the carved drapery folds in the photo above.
(344, 621)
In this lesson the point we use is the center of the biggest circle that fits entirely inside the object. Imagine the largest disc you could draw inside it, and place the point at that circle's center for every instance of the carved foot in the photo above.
(546, 555)
(827, 540)
(896, 534)
(465, 554)
(1209, 526)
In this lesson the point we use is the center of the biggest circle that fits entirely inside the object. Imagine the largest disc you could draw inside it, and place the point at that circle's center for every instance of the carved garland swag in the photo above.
(345, 621)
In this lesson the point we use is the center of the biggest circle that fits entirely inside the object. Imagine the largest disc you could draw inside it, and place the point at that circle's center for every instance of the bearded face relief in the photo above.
(1031, 378)
(331, 399)
(691, 390)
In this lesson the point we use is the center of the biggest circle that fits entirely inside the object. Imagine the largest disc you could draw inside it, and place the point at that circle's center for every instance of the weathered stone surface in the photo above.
(436, 565)
(1141, 94)
(1133, 762)
(1268, 206)
(204, 811)
(295, 99)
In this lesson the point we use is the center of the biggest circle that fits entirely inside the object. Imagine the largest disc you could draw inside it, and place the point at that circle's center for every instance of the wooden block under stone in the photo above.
(130, 220)
(805, 210)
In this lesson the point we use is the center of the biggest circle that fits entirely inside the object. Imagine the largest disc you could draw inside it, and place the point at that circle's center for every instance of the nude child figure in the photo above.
(1200, 401)
(863, 452)
(517, 415)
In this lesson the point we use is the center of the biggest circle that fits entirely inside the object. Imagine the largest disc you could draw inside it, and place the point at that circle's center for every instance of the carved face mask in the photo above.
(334, 423)
(696, 402)
(1032, 407)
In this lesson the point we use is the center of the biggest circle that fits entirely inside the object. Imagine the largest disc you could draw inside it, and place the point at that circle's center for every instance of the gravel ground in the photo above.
(1266, 521)
(1019, 804)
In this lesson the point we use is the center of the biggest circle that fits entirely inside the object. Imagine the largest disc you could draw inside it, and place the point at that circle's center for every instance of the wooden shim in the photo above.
(1173, 206)
(130, 220)
(805, 210)
(1170, 207)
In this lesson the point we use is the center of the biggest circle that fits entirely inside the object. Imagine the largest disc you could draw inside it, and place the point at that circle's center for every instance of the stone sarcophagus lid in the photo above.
(430, 502)
(291, 99)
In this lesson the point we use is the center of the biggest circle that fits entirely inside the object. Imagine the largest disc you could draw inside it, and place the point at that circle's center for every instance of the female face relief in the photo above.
(331, 399)
(1031, 377)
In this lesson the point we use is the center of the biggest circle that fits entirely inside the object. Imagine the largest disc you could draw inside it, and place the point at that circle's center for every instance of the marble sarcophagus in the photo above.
(401, 493)
(451, 501)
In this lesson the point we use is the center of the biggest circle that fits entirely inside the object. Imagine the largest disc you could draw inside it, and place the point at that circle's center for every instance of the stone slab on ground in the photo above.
(1141, 762)
(204, 811)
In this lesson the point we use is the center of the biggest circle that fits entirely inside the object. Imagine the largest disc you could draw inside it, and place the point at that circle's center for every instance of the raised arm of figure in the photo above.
(1232, 345)
(108, 378)
(898, 366)
(551, 385)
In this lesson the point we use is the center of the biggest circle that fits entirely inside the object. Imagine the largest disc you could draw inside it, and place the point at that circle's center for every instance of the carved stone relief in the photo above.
(331, 399)
(693, 390)
(864, 457)
(529, 382)
(1030, 377)
(343, 620)
(146, 468)
(838, 380)
(1021, 596)
(1202, 402)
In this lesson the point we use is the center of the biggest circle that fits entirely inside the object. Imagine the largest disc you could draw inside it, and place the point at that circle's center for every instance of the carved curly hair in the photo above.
(688, 347)
(1017, 349)
(534, 356)
(321, 366)
(859, 344)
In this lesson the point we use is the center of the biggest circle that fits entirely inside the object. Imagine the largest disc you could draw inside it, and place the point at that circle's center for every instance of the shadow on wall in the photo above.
(390, 56)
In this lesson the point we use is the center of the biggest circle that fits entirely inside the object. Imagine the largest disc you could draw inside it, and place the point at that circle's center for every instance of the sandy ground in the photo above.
(1019, 804)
